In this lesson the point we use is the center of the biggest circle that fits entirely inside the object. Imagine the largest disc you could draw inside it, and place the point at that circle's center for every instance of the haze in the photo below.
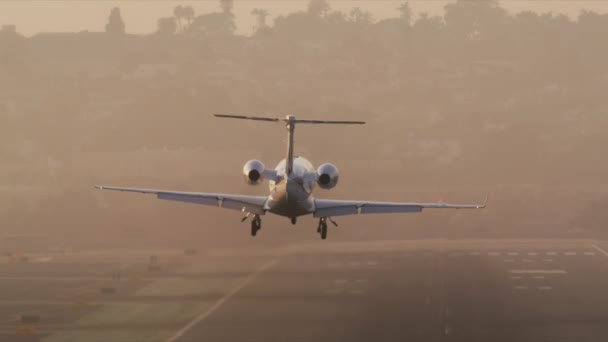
(473, 97)
(34, 16)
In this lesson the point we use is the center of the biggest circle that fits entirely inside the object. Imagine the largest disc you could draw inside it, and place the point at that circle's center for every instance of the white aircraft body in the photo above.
(291, 186)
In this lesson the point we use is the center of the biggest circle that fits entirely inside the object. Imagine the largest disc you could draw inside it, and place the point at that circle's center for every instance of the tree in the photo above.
(470, 19)
(227, 6)
(359, 16)
(260, 16)
(178, 13)
(166, 26)
(115, 23)
(188, 14)
(406, 13)
(318, 8)
(185, 13)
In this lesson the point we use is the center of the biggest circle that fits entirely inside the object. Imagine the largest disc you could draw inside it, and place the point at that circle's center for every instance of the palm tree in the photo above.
(405, 13)
(260, 15)
(178, 12)
(188, 14)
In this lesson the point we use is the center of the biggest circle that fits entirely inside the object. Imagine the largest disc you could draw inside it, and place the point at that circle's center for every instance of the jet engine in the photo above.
(327, 176)
(253, 171)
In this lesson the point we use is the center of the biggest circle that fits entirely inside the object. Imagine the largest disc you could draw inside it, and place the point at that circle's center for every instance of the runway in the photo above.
(410, 290)
(520, 290)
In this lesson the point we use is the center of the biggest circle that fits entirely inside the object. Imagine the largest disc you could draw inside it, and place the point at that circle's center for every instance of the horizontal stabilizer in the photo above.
(288, 119)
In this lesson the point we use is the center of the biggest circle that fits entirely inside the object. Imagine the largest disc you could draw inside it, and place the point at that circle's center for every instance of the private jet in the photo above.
(291, 185)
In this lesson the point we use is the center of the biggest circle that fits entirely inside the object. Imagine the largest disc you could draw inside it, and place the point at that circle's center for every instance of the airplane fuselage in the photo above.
(291, 195)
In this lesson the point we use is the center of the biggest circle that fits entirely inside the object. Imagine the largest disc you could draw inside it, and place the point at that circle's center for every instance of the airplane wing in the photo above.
(329, 208)
(249, 204)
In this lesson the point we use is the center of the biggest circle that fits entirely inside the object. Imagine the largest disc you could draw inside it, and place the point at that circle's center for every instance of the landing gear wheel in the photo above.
(323, 228)
(294, 220)
(256, 224)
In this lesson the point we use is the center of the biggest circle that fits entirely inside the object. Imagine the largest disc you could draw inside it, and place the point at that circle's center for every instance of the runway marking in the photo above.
(513, 253)
(372, 263)
(551, 253)
(590, 253)
(532, 253)
(538, 271)
(600, 250)
(528, 260)
(493, 253)
(545, 288)
(520, 287)
(570, 253)
(221, 301)
(508, 260)
(539, 277)
(474, 253)
(356, 292)
(516, 277)
(548, 260)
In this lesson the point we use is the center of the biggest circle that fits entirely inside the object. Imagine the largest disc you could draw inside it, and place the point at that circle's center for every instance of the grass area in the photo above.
(183, 287)
(174, 313)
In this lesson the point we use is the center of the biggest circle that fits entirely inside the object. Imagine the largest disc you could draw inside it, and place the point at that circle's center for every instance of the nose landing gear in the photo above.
(294, 220)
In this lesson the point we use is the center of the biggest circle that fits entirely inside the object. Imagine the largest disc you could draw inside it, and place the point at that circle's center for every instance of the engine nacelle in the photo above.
(327, 176)
(252, 171)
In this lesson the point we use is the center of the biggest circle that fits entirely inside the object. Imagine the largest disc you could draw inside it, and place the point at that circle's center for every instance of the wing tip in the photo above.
(100, 187)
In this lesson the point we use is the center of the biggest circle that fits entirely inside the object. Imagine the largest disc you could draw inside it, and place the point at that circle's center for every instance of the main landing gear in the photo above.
(256, 225)
(322, 229)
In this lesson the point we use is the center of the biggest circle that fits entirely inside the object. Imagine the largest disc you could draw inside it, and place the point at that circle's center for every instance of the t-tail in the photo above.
(290, 122)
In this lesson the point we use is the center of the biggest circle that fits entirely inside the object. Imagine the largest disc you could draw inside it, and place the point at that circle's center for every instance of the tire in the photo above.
(324, 231)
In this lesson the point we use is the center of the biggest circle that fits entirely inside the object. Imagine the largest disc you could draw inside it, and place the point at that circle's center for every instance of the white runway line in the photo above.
(551, 253)
(545, 288)
(520, 287)
(597, 248)
(539, 277)
(221, 301)
(494, 253)
(516, 277)
(532, 253)
(474, 253)
(513, 253)
(547, 260)
(590, 253)
(508, 260)
(537, 271)
(570, 253)
(528, 260)
(372, 263)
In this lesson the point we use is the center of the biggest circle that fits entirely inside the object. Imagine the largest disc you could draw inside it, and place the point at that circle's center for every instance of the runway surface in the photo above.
(416, 291)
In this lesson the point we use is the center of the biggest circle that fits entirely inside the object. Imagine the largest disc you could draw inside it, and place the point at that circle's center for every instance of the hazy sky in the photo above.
(140, 15)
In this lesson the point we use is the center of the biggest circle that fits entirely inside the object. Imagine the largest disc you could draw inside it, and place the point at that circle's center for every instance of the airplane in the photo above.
(291, 184)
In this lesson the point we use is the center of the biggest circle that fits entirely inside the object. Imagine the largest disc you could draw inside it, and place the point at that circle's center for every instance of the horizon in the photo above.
(33, 17)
